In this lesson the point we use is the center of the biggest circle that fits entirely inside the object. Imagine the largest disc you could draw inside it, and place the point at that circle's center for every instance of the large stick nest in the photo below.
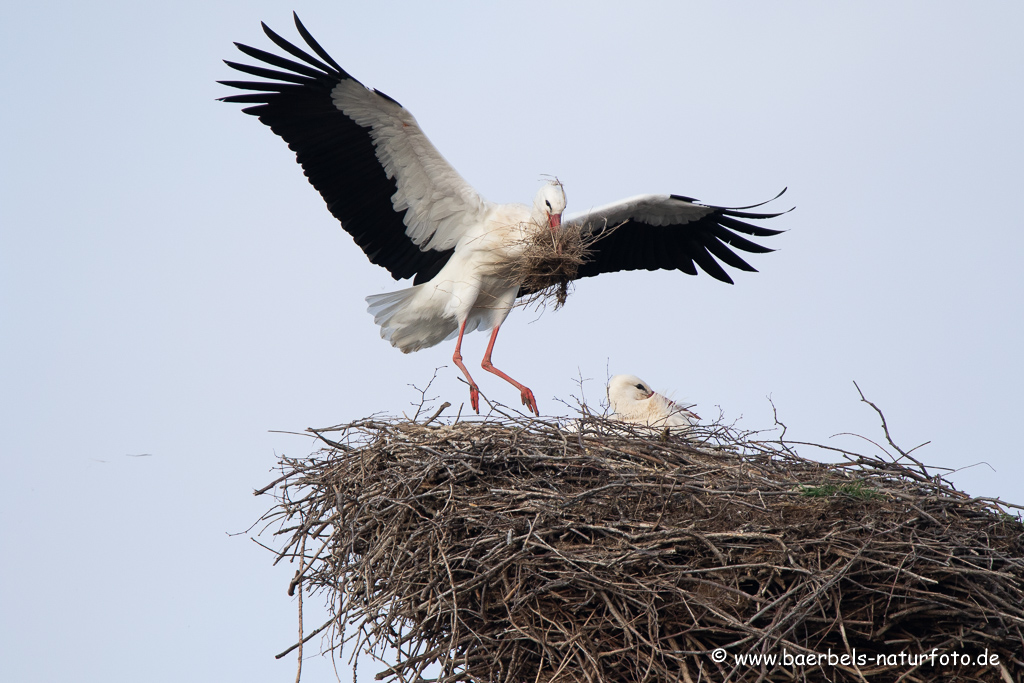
(512, 551)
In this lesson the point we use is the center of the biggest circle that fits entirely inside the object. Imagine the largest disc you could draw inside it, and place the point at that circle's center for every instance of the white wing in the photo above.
(439, 204)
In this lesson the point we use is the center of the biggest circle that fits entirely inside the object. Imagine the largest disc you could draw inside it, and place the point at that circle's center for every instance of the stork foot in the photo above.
(474, 398)
(529, 401)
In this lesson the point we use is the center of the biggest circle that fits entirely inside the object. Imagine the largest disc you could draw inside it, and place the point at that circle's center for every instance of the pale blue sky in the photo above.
(171, 285)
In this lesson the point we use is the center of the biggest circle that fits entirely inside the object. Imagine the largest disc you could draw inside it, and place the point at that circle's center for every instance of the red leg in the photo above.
(528, 400)
(474, 391)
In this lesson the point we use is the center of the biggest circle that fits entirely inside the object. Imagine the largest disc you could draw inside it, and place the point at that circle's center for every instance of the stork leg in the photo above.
(474, 391)
(528, 400)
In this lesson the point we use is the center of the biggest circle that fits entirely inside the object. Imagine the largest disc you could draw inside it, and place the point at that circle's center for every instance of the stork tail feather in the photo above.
(408, 321)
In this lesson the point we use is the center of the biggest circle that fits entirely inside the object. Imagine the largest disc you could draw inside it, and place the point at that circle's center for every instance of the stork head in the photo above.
(549, 204)
(625, 391)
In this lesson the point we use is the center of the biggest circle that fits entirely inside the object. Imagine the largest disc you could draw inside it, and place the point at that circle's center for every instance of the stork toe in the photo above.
(529, 401)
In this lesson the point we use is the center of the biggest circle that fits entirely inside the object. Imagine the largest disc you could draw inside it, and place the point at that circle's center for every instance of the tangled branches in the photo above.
(513, 551)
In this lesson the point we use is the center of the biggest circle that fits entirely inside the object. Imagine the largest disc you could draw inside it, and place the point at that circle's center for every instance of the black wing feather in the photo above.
(742, 243)
(311, 41)
(708, 264)
(337, 155)
(683, 260)
(728, 256)
(280, 62)
(728, 221)
(298, 52)
(266, 73)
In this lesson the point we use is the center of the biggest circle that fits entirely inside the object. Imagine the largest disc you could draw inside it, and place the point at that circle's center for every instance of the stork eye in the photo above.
(641, 387)
(548, 203)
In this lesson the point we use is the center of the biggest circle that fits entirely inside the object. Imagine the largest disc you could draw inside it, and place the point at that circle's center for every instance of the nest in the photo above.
(512, 551)
(549, 262)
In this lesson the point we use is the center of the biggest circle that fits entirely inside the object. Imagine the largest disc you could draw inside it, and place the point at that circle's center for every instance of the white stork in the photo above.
(632, 400)
(413, 214)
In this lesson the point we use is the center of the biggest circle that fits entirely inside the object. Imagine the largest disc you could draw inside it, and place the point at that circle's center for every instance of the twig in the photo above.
(306, 639)
(440, 410)
(885, 428)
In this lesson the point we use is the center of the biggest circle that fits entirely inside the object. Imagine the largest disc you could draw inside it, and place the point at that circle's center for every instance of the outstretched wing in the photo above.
(670, 232)
(401, 201)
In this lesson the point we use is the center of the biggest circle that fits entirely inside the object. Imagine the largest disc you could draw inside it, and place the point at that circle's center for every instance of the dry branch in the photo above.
(513, 551)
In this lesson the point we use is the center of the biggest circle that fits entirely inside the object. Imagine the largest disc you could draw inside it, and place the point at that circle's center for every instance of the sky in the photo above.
(175, 298)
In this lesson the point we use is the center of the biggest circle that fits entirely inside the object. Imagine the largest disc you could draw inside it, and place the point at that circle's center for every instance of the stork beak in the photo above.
(650, 394)
(554, 220)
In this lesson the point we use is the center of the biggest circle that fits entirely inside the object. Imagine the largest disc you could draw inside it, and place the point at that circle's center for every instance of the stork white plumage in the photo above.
(413, 214)
(632, 400)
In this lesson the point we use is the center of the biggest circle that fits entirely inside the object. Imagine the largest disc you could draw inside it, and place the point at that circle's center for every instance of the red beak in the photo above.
(554, 220)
